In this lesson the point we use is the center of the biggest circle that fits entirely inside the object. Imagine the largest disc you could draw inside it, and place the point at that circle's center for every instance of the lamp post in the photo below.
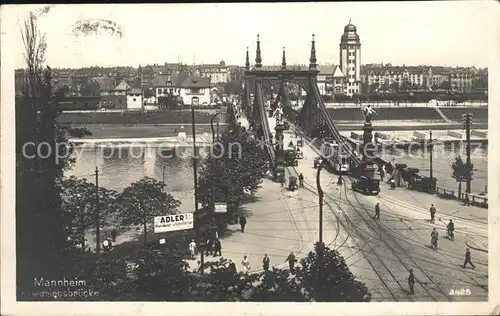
(195, 170)
(163, 177)
(201, 247)
(320, 196)
(97, 220)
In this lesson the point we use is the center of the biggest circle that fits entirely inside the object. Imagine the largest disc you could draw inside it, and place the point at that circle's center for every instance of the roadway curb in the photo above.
(473, 245)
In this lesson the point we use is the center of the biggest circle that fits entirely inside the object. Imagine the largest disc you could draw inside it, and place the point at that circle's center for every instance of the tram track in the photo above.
(373, 224)
(352, 230)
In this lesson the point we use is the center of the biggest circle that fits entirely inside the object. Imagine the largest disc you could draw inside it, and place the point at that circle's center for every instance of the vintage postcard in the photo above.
(250, 158)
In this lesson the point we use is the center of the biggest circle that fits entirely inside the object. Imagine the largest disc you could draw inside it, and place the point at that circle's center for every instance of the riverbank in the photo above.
(438, 114)
(167, 130)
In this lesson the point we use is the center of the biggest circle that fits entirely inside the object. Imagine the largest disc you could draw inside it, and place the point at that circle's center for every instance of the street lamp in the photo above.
(221, 110)
(320, 196)
(163, 177)
(195, 167)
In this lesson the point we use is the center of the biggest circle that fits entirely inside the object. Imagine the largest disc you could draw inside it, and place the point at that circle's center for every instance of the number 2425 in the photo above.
(460, 292)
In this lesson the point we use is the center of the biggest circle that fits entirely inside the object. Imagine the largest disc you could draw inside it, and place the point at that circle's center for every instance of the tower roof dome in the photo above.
(350, 27)
(350, 33)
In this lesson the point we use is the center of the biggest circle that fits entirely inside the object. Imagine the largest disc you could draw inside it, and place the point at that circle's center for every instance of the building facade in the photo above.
(350, 59)
(190, 86)
(218, 73)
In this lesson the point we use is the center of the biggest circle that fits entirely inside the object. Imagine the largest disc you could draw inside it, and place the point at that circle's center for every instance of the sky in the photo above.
(451, 33)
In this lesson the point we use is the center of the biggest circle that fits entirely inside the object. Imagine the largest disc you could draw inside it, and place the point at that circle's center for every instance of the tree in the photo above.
(78, 199)
(445, 85)
(278, 285)
(148, 93)
(142, 201)
(374, 86)
(41, 227)
(325, 277)
(161, 276)
(90, 89)
(461, 173)
(434, 87)
(394, 86)
(240, 168)
(222, 284)
(233, 87)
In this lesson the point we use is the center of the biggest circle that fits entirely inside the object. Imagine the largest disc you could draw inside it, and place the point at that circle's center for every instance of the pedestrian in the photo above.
(265, 262)
(467, 200)
(392, 182)
(411, 281)
(382, 174)
(210, 246)
(467, 259)
(432, 210)
(114, 233)
(291, 261)
(243, 222)
(232, 267)
(106, 245)
(245, 264)
(192, 248)
(339, 181)
(217, 247)
(198, 267)
(377, 211)
(282, 181)
(301, 180)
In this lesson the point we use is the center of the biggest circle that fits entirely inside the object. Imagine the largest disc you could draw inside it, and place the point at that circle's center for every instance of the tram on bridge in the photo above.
(332, 153)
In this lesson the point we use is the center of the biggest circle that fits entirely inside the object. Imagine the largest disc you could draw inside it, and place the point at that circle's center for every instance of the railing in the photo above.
(259, 95)
(474, 199)
(445, 193)
(352, 104)
(335, 133)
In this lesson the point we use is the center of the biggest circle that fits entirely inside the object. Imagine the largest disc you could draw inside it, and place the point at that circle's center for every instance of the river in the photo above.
(119, 167)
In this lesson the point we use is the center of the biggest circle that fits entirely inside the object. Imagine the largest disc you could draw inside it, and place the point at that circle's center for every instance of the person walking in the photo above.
(245, 264)
(382, 174)
(210, 246)
(291, 261)
(265, 262)
(301, 180)
(411, 282)
(243, 222)
(192, 248)
(217, 247)
(114, 233)
(377, 211)
(232, 267)
(467, 259)
(432, 211)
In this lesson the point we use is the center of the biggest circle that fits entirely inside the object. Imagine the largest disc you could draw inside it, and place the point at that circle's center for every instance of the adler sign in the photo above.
(171, 223)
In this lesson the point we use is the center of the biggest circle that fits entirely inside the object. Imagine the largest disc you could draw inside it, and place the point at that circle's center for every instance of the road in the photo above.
(381, 252)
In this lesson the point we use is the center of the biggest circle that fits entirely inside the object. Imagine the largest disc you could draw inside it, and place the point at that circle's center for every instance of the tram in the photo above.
(338, 161)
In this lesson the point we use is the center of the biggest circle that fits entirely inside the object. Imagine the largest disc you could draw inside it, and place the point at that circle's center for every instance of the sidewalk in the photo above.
(270, 229)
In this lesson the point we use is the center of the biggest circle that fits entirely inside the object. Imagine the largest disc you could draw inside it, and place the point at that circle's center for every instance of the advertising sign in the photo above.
(171, 223)
(220, 207)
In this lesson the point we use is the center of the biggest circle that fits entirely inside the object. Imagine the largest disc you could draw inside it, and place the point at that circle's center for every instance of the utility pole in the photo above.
(320, 196)
(163, 177)
(195, 173)
(467, 120)
(97, 220)
(431, 148)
